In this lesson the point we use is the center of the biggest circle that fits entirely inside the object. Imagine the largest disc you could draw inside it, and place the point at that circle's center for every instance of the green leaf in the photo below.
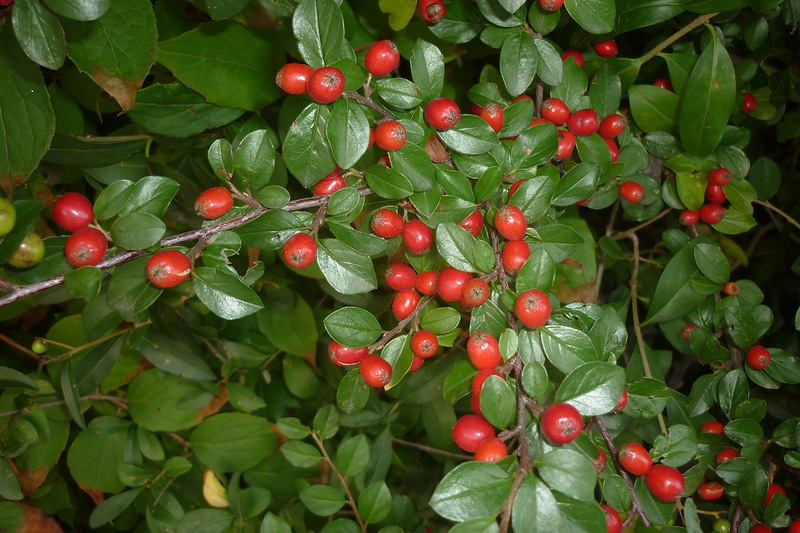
(398, 92)
(90, 153)
(461, 24)
(388, 183)
(534, 196)
(353, 455)
(299, 377)
(439, 320)
(129, 291)
(254, 160)
(9, 484)
(357, 240)
(224, 293)
(306, 150)
(116, 50)
(353, 326)
(39, 34)
(322, 500)
(471, 136)
(69, 390)
(348, 132)
(28, 118)
(456, 245)
(375, 502)
(273, 524)
(157, 401)
(518, 60)
(171, 355)
(594, 16)
(427, 69)
(152, 195)
(569, 472)
(208, 57)
(289, 323)
(471, 490)
(577, 184)
(319, 28)
(535, 507)
(674, 294)
(113, 507)
(13, 378)
(415, 164)
(634, 14)
(137, 231)
(96, 453)
(232, 442)
(654, 108)
(352, 393)
(567, 348)
(348, 271)
(708, 99)
(593, 388)
(178, 111)
(678, 447)
(498, 402)
(80, 9)
(301, 454)
(399, 11)
(534, 146)
(712, 262)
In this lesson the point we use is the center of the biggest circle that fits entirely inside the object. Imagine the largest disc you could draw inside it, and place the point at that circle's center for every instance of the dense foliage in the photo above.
(518, 267)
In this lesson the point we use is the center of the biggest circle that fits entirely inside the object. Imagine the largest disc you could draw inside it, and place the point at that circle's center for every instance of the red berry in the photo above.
(451, 282)
(404, 303)
(760, 528)
(758, 357)
(73, 211)
(330, 183)
(376, 371)
(473, 223)
(606, 48)
(390, 135)
(715, 194)
(293, 77)
(523, 97)
(750, 104)
(382, 58)
(631, 191)
(344, 355)
(713, 426)
(493, 114)
(510, 222)
(686, 331)
(566, 144)
(400, 277)
(442, 113)
(634, 458)
(731, 288)
(385, 161)
(417, 237)
(554, 111)
(325, 85)
(514, 186)
(416, 363)
(613, 520)
(712, 213)
(795, 526)
(515, 253)
(483, 350)
(300, 250)
(575, 55)
(476, 292)
(470, 431)
(481, 377)
(168, 268)
(689, 217)
(725, 455)
(537, 122)
(491, 451)
(386, 223)
(432, 11)
(720, 176)
(664, 83)
(424, 343)
(613, 149)
(87, 246)
(622, 403)
(612, 125)
(551, 5)
(561, 423)
(213, 203)
(601, 462)
(533, 308)
(583, 122)
(665, 482)
(475, 109)
(711, 491)
(427, 281)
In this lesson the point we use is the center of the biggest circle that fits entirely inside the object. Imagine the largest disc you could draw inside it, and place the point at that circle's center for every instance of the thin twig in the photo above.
(11, 342)
(116, 400)
(18, 292)
(636, 506)
(699, 21)
(95, 342)
(342, 480)
(788, 218)
(430, 449)
(363, 100)
(386, 337)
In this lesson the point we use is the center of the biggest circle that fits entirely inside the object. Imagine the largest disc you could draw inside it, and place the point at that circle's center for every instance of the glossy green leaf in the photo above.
(96, 453)
(90, 153)
(69, 390)
(462, 23)
(171, 355)
(301, 454)
(427, 69)
(288, 322)
(577, 184)
(113, 507)
(535, 507)
(674, 294)
(567, 348)
(39, 34)
(398, 92)
(471, 136)
(712, 262)
(375, 502)
(224, 293)
(456, 245)
(352, 393)
(206, 58)
(498, 402)
(348, 271)
(136, 231)
(322, 500)
(593, 388)
(570, 473)
(306, 150)
(14, 378)
(319, 28)
(353, 326)
(535, 146)
(388, 183)
(634, 14)
(470, 490)
(594, 16)
(80, 9)
(414, 163)
(708, 99)
(232, 442)
(654, 108)
(254, 160)
(348, 132)
(518, 60)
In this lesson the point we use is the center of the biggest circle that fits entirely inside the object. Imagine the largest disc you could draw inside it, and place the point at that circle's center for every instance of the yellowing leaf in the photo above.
(399, 11)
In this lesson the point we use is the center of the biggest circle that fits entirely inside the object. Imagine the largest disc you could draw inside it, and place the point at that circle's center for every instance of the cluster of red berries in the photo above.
(665, 482)
(376, 371)
(87, 245)
(324, 85)
(605, 49)
(711, 212)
